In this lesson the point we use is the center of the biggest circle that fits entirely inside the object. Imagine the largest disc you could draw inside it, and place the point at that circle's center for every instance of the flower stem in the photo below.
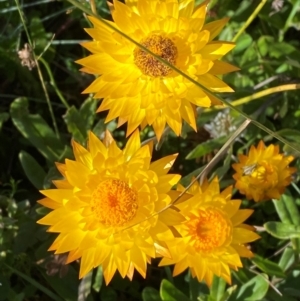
(53, 83)
(258, 95)
(250, 19)
(39, 71)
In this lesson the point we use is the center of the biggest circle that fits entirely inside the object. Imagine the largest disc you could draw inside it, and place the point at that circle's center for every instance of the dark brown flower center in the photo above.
(161, 46)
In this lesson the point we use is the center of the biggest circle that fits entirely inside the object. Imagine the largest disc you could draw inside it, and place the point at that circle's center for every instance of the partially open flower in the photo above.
(264, 173)
(213, 235)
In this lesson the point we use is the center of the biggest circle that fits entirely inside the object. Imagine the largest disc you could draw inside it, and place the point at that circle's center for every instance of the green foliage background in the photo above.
(41, 113)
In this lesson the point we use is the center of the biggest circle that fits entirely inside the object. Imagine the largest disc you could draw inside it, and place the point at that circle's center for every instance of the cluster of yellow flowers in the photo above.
(116, 208)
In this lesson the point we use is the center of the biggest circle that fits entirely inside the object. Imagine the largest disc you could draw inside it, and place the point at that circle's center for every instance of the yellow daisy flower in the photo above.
(139, 89)
(264, 173)
(213, 235)
(104, 208)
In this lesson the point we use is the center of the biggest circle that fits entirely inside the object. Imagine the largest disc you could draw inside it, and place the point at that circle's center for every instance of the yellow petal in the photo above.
(241, 216)
(166, 182)
(163, 165)
(49, 203)
(87, 260)
(82, 155)
(241, 236)
(58, 195)
(215, 27)
(220, 67)
(133, 145)
(215, 50)
(213, 83)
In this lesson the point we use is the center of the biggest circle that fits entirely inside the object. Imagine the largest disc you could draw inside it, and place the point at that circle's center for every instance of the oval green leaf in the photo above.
(168, 292)
(150, 294)
(253, 290)
(282, 230)
(32, 169)
(269, 267)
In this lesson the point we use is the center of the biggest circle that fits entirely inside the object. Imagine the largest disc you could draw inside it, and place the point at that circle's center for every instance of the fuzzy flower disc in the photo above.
(213, 237)
(264, 173)
(114, 202)
(210, 229)
(138, 88)
(104, 209)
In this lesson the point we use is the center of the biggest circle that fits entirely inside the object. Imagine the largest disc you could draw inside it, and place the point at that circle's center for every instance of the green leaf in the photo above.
(13, 296)
(4, 287)
(206, 147)
(3, 117)
(280, 49)
(79, 122)
(98, 280)
(168, 292)
(150, 294)
(32, 169)
(188, 178)
(68, 289)
(282, 230)
(36, 130)
(87, 112)
(253, 290)
(263, 44)
(108, 294)
(269, 267)
(274, 296)
(292, 292)
(287, 258)
(41, 210)
(75, 125)
(291, 134)
(222, 170)
(196, 289)
(84, 288)
(287, 210)
(53, 174)
(40, 37)
(250, 54)
(244, 42)
(217, 290)
(25, 239)
(36, 284)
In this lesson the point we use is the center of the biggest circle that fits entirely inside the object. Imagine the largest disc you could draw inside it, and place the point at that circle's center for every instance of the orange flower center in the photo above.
(114, 202)
(210, 230)
(161, 46)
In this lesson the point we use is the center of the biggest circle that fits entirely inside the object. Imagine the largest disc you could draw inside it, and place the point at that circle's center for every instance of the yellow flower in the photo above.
(264, 173)
(104, 208)
(140, 90)
(213, 236)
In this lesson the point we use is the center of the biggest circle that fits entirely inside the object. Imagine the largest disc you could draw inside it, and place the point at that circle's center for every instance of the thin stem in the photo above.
(216, 158)
(260, 94)
(47, 99)
(39, 72)
(53, 83)
(250, 19)
(23, 22)
(267, 280)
